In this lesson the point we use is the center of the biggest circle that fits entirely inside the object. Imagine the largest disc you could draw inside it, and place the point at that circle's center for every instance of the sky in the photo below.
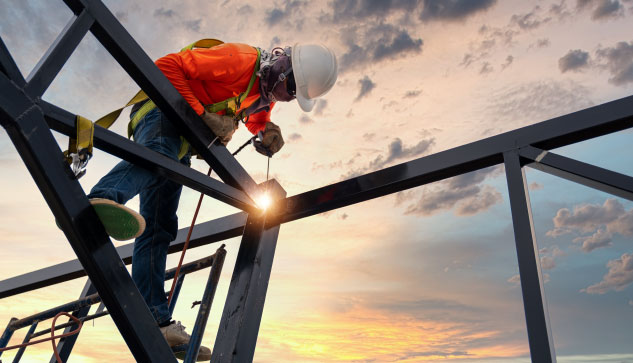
(427, 274)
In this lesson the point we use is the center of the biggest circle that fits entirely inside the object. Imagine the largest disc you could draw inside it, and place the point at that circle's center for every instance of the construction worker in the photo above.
(203, 77)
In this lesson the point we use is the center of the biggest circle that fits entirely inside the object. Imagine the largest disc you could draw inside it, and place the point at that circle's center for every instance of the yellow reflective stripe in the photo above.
(203, 43)
(147, 107)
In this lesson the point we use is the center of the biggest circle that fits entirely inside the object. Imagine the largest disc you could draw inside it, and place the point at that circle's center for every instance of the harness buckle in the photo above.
(79, 163)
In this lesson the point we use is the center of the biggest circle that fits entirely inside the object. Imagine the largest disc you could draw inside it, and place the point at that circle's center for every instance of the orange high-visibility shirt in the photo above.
(208, 75)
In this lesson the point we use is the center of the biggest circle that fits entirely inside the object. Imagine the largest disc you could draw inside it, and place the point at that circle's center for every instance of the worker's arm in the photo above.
(172, 66)
(257, 122)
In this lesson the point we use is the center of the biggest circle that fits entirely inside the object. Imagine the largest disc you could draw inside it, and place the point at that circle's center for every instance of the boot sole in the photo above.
(120, 222)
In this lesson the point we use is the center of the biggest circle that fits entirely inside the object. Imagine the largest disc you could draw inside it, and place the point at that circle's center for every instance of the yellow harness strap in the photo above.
(85, 128)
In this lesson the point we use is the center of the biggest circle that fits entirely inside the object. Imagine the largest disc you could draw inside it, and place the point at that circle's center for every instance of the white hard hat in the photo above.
(315, 71)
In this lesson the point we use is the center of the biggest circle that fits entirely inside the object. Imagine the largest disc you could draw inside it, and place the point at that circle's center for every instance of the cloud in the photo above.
(395, 151)
(485, 68)
(453, 10)
(305, 119)
(276, 15)
(376, 43)
(547, 263)
(601, 221)
(535, 101)
(574, 60)
(294, 137)
(543, 43)
(354, 10)
(620, 276)
(508, 62)
(366, 85)
(464, 193)
(412, 94)
(619, 61)
(320, 106)
(535, 186)
(600, 239)
(193, 24)
(164, 13)
(529, 21)
(601, 9)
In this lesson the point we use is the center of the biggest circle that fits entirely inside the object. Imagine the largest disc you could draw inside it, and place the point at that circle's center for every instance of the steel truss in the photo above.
(29, 121)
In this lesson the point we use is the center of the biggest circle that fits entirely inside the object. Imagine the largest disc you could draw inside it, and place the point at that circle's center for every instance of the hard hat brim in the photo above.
(306, 104)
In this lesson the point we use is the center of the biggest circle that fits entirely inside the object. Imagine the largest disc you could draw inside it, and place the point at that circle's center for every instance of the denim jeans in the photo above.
(159, 202)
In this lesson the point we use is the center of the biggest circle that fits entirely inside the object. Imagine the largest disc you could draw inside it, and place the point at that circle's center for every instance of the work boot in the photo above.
(120, 222)
(175, 335)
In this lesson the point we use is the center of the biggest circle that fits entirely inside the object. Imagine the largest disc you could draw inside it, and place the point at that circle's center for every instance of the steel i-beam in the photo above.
(534, 303)
(582, 173)
(239, 326)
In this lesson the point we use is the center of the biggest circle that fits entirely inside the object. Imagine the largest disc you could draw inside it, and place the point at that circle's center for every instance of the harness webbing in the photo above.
(82, 144)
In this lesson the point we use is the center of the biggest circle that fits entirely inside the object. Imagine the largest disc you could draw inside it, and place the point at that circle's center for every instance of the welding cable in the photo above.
(53, 336)
(193, 222)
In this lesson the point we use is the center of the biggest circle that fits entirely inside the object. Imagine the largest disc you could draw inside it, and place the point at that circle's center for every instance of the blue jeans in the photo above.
(159, 202)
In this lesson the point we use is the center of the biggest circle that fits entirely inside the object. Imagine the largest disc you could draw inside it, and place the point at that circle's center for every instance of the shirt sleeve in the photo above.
(172, 66)
(257, 122)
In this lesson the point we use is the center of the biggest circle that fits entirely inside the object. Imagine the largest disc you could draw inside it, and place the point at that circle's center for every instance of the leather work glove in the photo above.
(222, 126)
(271, 142)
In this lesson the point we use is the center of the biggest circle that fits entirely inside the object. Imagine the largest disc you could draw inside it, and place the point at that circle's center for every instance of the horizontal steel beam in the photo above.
(140, 67)
(63, 121)
(586, 174)
(54, 59)
(560, 131)
(203, 234)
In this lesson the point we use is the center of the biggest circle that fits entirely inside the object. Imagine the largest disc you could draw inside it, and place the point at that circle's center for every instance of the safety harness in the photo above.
(80, 147)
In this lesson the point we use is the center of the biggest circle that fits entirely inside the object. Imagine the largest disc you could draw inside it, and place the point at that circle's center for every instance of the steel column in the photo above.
(205, 306)
(7, 334)
(28, 131)
(56, 56)
(239, 326)
(65, 345)
(534, 303)
(573, 170)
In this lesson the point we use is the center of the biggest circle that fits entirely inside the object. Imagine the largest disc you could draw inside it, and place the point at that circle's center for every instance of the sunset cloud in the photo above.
(618, 278)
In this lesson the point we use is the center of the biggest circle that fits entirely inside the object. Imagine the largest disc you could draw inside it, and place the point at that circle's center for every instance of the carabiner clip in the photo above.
(79, 162)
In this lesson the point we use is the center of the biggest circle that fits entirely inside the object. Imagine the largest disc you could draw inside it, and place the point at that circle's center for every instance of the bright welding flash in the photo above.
(264, 201)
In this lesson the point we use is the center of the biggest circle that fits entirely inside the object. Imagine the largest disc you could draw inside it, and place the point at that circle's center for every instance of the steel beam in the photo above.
(140, 67)
(560, 131)
(573, 170)
(25, 125)
(27, 338)
(205, 306)
(237, 334)
(203, 234)
(64, 122)
(8, 66)
(65, 345)
(534, 303)
(56, 56)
